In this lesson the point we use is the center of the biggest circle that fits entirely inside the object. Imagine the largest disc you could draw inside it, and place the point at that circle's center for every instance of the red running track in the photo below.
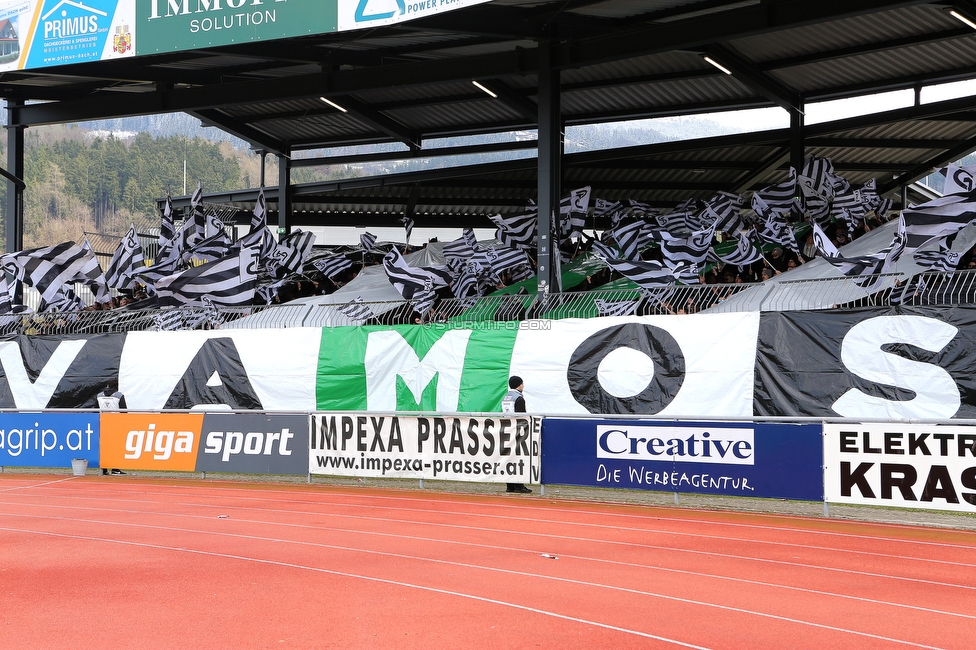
(95, 562)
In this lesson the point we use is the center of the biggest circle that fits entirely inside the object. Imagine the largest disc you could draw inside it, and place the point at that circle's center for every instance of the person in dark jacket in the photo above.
(514, 402)
(111, 399)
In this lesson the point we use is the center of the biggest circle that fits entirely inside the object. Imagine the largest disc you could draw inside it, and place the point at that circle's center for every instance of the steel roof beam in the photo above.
(512, 99)
(490, 147)
(377, 120)
(744, 72)
(778, 157)
(255, 138)
(955, 152)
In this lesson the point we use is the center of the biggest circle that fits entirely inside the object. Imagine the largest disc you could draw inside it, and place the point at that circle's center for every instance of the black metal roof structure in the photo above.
(544, 64)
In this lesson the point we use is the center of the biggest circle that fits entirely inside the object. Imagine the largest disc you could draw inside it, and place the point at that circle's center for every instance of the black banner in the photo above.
(897, 362)
(39, 372)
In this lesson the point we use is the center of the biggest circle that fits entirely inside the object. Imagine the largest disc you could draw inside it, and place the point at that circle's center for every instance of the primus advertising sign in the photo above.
(901, 465)
(41, 33)
(451, 448)
(731, 458)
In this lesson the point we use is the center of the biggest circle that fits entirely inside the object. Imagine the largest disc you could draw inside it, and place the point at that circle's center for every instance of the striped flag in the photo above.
(644, 274)
(259, 216)
(167, 230)
(465, 283)
(818, 176)
(865, 268)
(503, 259)
(408, 226)
(780, 197)
(367, 240)
(290, 254)
(944, 260)
(517, 230)
(127, 260)
(409, 280)
(616, 308)
(628, 237)
(461, 248)
(423, 301)
(333, 265)
(51, 267)
(151, 274)
(268, 292)
(64, 300)
(745, 253)
(572, 212)
(692, 249)
(212, 248)
(199, 230)
(357, 310)
(229, 281)
(603, 250)
(168, 320)
(938, 218)
(722, 211)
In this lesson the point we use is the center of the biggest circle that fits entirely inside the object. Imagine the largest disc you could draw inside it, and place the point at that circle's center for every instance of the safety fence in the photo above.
(928, 465)
(926, 289)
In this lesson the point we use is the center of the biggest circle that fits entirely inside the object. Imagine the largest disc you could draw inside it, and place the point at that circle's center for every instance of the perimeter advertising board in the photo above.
(730, 458)
(494, 449)
(901, 465)
(48, 439)
(41, 33)
(242, 443)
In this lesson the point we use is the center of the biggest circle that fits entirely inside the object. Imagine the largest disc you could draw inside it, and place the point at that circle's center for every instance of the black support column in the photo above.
(284, 194)
(796, 139)
(13, 226)
(549, 166)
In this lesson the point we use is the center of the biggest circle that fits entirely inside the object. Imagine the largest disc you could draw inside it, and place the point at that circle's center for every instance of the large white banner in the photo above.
(503, 449)
(692, 366)
(901, 465)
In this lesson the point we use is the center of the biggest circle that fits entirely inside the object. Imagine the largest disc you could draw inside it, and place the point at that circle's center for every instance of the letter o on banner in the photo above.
(657, 344)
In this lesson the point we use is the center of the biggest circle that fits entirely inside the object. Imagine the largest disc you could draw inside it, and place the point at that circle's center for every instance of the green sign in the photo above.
(172, 25)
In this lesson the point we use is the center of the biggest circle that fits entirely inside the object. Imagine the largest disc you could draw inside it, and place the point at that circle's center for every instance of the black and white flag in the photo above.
(423, 301)
(722, 211)
(367, 240)
(259, 216)
(644, 274)
(127, 260)
(408, 226)
(357, 310)
(864, 268)
(781, 197)
(515, 231)
(628, 236)
(230, 281)
(212, 248)
(745, 253)
(290, 254)
(692, 249)
(332, 266)
(167, 230)
(51, 267)
(199, 219)
(572, 213)
(461, 248)
(615, 307)
(938, 218)
(505, 259)
(409, 280)
(168, 320)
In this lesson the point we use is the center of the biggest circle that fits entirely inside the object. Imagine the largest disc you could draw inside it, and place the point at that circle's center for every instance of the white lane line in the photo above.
(387, 581)
(545, 535)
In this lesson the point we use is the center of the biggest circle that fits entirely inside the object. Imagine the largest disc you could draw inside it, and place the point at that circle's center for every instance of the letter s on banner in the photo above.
(936, 393)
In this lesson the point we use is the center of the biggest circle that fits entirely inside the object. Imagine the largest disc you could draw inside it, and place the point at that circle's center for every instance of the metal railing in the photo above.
(926, 289)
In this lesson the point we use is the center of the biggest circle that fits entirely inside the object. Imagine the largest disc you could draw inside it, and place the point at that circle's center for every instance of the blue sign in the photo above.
(48, 439)
(730, 458)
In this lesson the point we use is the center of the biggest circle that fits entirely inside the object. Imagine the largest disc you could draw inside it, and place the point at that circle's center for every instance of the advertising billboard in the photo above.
(48, 439)
(728, 458)
(494, 449)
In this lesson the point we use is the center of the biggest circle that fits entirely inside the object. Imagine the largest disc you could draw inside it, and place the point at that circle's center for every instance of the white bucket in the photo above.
(78, 466)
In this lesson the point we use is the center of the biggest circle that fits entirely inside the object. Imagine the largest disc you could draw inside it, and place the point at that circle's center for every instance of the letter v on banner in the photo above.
(36, 395)
(389, 355)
